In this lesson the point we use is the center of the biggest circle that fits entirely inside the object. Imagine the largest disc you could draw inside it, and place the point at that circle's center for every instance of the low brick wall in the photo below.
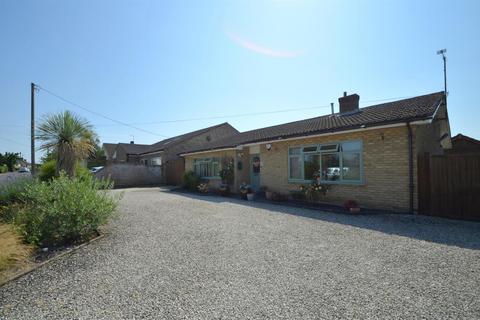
(132, 175)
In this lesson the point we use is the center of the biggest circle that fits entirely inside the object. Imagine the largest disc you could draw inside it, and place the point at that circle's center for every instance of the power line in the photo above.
(13, 141)
(225, 116)
(97, 113)
(388, 99)
(247, 114)
(207, 118)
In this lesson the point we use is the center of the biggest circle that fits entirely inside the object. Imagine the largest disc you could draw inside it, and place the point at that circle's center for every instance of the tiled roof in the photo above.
(110, 147)
(161, 145)
(133, 148)
(166, 143)
(417, 108)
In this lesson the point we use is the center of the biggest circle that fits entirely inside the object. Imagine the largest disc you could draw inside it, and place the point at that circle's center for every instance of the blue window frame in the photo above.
(334, 163)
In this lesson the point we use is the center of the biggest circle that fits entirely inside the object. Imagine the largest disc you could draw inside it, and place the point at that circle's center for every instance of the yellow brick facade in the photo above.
(385, 168)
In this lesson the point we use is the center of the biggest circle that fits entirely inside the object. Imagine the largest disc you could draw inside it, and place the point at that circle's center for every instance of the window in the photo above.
(157, 161)
(294, 157)
(311, 165)
(207, 168)
(333, 163)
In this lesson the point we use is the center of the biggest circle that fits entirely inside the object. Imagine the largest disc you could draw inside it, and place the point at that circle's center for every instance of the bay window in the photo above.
(332, 163)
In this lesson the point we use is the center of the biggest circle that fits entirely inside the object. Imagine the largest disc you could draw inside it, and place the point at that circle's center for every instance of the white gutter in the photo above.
(418, 122)
(149, 153)
(206, 151)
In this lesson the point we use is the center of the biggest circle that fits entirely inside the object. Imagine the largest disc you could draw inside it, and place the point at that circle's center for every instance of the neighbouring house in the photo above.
(126, 152)
(364, 154)
(163, 156)
(109, 149)
(462, 144)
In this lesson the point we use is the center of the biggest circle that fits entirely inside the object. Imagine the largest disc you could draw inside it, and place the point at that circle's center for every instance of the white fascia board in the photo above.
(419, 122)
(239, 147)
(150, 153)
(206, 151)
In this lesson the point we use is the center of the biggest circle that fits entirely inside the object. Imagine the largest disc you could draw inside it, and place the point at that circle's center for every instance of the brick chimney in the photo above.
(348, 103)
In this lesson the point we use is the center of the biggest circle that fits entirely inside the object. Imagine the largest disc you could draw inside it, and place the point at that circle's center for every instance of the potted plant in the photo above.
(352, 206)
(268, 193)
(278, 197)
(245, 190)
(224, 189)
(202, 187)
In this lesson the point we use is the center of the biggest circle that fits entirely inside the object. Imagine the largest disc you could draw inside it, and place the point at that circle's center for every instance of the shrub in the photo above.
(3, 168)
(63, 210)
(190, 180)
(47, 170)
(12, 250)
(82, 172)
(11, 192)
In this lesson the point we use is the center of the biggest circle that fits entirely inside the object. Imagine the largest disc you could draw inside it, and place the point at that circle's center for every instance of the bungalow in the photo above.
(364, 154)
(164, 154)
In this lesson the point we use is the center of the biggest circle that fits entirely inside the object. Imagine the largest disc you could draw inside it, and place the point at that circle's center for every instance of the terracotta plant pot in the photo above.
(268, 195)
(355, 210)
(250, 196)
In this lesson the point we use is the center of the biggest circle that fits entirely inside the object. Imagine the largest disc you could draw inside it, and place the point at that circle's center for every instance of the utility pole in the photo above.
(442, 52)
(32, 128)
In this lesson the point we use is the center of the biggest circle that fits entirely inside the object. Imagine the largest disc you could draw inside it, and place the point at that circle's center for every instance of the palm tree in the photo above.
(70, 136)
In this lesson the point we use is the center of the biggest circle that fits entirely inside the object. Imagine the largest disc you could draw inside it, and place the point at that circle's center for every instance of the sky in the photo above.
(151, 63)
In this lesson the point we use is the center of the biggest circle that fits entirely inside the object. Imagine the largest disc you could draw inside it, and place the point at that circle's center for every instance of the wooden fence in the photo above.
(174, 171)
(449, 186)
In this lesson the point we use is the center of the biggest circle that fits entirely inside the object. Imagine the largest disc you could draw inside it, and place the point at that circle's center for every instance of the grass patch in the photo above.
(14, 254)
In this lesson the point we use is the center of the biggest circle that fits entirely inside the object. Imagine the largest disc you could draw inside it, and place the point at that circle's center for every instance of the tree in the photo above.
(97, 158)
(69, 136)
(10, 159)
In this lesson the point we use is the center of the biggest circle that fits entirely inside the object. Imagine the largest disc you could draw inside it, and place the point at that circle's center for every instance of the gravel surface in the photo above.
(180, 256)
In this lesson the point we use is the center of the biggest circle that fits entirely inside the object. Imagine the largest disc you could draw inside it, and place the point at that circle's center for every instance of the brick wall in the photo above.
(385, 166)
(385, 169)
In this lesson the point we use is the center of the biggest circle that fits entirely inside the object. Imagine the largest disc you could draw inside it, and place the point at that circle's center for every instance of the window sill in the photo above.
(211, 178)
(344, 183)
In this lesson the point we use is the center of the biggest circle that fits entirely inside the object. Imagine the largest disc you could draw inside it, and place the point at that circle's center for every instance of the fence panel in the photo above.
(449, 186)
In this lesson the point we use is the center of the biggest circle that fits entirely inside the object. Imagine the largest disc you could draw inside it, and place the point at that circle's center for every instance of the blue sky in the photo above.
(153, 61)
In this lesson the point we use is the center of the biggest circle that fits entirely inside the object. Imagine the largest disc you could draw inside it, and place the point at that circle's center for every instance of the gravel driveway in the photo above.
(177, 256)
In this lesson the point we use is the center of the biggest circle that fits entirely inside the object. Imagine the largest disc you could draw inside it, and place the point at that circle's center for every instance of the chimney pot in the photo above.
(344, 93)
(348, 103)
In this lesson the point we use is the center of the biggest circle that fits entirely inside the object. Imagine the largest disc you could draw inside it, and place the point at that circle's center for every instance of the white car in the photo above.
(23, 170)
(95, 169)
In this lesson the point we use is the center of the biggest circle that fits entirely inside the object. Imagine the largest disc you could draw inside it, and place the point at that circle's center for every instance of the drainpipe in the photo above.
(411, 186)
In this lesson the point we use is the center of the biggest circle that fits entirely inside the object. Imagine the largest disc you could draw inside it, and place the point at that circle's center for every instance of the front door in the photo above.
(255, 172)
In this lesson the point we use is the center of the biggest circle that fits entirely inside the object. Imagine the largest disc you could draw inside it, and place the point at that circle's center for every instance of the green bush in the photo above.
(63, 210)
(3, 168)
(82, 172)
(47, 171)
(190, 180)
(12, 192)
